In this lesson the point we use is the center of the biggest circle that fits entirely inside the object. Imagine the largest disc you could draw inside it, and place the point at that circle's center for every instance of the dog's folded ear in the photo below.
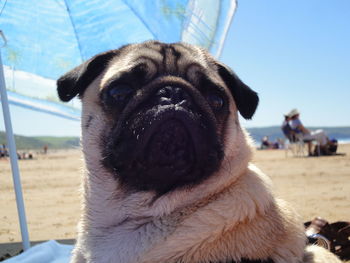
(245, 98)
(75, 82)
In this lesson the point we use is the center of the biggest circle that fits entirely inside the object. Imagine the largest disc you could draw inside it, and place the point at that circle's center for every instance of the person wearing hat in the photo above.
(287, 129)
(307, 135)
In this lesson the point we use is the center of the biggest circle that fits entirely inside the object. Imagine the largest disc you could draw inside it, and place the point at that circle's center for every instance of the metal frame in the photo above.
(13, 155)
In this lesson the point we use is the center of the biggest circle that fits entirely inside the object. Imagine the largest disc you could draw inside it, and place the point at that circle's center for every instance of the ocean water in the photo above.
(344, 141)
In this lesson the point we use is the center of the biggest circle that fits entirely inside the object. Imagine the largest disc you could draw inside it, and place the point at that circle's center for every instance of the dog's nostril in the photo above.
(164, 92)
(172, 95)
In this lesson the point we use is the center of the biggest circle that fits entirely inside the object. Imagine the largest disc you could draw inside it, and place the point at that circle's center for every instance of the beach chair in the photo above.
(296, 143)
(293, 143)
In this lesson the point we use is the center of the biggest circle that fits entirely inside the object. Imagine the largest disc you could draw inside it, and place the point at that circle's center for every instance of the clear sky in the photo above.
(295, 54)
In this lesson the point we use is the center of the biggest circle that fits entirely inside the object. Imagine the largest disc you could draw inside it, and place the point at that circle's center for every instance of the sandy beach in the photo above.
(316, 186)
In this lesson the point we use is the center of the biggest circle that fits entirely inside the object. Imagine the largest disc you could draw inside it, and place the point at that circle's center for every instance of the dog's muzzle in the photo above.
(165, 143)
(169, 145)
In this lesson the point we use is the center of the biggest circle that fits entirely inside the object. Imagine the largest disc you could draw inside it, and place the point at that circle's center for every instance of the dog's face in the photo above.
(157, 113)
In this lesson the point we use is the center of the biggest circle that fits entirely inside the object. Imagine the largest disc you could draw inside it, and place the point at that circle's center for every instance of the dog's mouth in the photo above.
(170, 150)
(162, 146)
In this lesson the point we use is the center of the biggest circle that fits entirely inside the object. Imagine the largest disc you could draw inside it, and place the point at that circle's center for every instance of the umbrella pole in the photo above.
(14, 161)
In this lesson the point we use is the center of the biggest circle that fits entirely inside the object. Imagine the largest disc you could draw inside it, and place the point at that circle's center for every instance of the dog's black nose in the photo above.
(173, 95)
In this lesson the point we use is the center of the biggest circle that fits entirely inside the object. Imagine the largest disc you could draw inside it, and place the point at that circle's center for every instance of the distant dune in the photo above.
(273, 132)
(38, 142)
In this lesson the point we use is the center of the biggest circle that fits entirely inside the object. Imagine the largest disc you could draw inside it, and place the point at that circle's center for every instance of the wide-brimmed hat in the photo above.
(293, 112)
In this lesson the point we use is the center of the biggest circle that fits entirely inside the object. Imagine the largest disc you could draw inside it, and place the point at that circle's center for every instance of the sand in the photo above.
(315, 186)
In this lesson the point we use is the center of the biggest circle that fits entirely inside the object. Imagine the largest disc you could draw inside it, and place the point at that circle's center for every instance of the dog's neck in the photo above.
(217, 218)
(150, 236)
(137, 226)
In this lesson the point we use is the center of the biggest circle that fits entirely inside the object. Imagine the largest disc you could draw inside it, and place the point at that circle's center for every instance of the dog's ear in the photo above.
(75, 82)
(245, 98)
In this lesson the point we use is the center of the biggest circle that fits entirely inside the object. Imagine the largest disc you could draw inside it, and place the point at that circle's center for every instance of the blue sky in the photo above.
(295, 54)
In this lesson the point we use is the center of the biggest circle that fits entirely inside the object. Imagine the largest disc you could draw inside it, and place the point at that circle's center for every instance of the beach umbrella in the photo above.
(46, 38)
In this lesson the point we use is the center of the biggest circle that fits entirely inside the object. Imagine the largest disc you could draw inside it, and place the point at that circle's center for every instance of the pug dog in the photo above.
(168, 175)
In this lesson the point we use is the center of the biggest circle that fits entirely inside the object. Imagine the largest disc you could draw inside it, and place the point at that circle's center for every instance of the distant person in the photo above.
(45, 148)
(276, 144)
(3, 151)
(265, 144)
(287, 129)
(307, 135)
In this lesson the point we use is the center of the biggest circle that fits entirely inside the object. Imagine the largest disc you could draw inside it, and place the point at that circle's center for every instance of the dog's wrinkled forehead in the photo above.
(156, 59)
(145, 61)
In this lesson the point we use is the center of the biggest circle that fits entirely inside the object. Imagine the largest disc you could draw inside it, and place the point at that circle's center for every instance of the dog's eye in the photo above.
(120, 92)
(215, 101)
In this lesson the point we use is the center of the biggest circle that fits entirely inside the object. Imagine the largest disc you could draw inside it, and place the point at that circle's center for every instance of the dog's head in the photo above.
(156, 115)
